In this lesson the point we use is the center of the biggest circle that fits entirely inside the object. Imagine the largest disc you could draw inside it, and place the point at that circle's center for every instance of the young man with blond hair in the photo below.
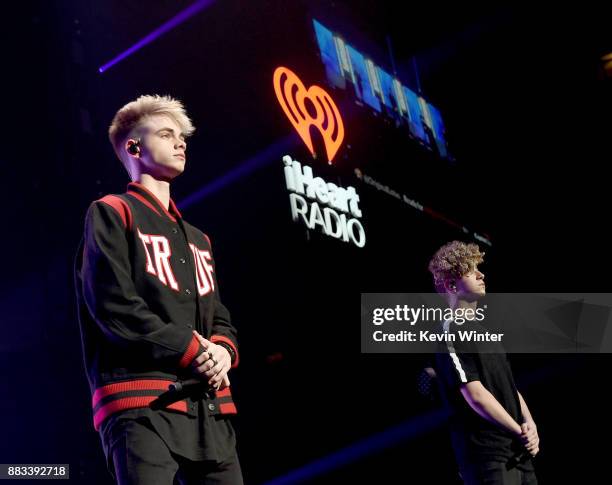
(493, 433)
(157, 341)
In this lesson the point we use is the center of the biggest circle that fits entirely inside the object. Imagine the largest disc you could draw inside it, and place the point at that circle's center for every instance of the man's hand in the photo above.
(530, 438)
(213, 364)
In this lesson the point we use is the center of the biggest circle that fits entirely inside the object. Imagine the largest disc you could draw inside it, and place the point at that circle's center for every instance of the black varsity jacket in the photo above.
(145, 279)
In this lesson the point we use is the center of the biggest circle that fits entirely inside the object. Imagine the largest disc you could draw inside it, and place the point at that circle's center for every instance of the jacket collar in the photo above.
(147, 197)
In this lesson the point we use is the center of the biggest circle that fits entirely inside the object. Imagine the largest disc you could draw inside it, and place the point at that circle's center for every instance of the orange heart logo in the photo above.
(309, 107)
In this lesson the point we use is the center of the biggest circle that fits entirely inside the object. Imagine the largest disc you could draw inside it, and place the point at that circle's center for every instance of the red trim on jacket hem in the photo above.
(228, 341)
(132, 385)
(228, 408)
(224, 393)
(131, 403)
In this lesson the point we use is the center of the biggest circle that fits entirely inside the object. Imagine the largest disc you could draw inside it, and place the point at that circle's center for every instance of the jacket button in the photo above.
(188, 291)
(182, 260)
(174, 230)
(211, 406)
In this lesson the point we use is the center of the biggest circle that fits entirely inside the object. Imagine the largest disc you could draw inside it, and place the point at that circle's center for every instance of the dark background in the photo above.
(526, 105)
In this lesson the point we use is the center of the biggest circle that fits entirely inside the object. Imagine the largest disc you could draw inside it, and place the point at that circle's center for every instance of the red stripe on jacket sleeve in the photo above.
(191, 353)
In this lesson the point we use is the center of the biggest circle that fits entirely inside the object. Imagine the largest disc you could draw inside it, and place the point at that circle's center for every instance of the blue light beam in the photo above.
(161, 30)
(403, 432)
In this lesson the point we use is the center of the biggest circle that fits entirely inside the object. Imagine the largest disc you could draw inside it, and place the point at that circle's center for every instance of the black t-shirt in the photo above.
(203, 437)
(459, 362)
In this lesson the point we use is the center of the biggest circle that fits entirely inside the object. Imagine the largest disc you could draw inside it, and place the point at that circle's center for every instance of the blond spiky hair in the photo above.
(133, 113)
(454, 260)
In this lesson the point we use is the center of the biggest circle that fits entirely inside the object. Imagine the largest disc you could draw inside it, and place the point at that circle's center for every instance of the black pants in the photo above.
(140, 457)
(497, 473)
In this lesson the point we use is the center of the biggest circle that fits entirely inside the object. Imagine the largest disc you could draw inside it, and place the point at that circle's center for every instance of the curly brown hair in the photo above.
(454, 260)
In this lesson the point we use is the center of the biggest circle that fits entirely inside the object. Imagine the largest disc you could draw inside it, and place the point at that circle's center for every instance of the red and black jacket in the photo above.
(145, 279)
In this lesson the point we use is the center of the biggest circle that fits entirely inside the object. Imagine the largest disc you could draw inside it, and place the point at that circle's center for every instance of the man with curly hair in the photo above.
(493, 433)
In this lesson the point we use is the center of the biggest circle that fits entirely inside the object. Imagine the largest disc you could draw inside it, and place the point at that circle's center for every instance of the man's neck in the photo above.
(159, 188)
(458, 303)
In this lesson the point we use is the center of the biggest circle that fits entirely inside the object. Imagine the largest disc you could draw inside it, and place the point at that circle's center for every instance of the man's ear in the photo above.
(132, 146)
(450, 286)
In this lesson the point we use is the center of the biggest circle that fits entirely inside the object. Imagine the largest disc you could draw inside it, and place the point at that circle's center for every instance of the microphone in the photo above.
(187, 385)
(180, 389)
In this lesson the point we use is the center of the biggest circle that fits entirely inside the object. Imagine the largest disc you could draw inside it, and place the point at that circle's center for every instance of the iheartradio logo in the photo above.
(309, 107)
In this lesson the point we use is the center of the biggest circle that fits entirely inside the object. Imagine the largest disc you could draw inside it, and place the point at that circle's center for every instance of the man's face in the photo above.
(162, 147)
(471, 286)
